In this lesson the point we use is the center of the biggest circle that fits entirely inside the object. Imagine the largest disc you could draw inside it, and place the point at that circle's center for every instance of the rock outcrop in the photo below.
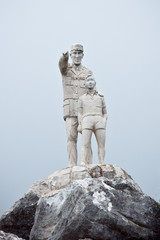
(95, 202)
(8, 236)
(20, 218)
(98, 209)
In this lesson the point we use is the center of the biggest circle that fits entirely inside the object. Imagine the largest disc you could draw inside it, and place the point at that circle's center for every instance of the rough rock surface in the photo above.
(8, 236)
(98, 209)
(103, 200)
(20, 218)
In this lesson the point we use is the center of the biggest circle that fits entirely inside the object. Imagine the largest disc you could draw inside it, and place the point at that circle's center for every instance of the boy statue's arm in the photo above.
(104, 110)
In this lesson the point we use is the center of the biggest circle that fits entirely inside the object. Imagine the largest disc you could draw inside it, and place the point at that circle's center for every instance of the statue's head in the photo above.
(76, 54)
(90, 82)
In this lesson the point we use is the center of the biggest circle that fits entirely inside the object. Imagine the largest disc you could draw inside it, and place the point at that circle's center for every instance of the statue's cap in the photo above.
(77, 47)
(90, 77)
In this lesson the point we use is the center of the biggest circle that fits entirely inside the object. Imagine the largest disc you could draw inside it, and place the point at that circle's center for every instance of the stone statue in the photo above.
(92, 117)
(73, 78)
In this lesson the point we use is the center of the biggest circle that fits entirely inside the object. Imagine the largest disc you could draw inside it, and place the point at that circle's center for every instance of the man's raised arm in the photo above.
(63, 62)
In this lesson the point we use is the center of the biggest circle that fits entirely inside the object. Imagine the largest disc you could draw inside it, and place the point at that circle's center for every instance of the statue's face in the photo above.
(90, 83)
(76, 57)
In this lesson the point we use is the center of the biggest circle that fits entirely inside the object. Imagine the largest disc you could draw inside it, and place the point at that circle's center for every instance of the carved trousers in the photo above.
(72, 135)
(86, 156)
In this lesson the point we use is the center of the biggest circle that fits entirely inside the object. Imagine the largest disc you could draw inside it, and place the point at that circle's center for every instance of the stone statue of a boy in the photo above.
(92, 117)
(73, 79)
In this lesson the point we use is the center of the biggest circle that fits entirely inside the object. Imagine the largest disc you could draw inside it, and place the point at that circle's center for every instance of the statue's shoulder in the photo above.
(69, 66)
(87, 70)
(100, 94)
(82, 97)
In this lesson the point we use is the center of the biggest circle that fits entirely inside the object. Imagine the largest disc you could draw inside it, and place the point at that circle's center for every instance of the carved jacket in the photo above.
(73, 80)
(92, 104)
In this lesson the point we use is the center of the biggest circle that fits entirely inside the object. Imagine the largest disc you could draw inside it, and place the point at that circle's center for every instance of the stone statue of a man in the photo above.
(92, 117)
(73, 78)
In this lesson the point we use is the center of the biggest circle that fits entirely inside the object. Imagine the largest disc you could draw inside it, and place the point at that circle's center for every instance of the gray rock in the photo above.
(19, 219)
(8, 236)
(99, 209)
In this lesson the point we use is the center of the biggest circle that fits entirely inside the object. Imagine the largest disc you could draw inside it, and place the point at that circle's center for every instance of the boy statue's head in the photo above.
(90, 82)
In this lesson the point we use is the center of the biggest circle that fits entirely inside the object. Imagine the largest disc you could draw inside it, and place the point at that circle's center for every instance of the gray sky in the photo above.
(121, 40)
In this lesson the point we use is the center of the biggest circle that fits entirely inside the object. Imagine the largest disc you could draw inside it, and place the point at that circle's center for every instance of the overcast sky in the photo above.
(121, 40)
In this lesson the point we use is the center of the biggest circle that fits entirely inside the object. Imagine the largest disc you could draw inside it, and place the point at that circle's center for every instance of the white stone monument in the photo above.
(92, 117)
(73, 78)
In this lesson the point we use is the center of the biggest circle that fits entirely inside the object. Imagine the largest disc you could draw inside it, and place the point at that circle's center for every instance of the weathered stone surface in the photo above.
(20, 218)
(99, 209)
(8, 236)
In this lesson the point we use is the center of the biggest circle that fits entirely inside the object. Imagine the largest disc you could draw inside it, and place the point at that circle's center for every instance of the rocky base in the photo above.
(92, 203)
(98, 209)
(8, 236)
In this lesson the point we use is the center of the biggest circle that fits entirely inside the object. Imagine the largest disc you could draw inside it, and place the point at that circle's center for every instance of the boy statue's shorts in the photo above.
(93, 122)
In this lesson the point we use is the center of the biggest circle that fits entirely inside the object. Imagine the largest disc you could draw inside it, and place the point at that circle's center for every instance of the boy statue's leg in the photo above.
(100, 137)
(86, 151)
